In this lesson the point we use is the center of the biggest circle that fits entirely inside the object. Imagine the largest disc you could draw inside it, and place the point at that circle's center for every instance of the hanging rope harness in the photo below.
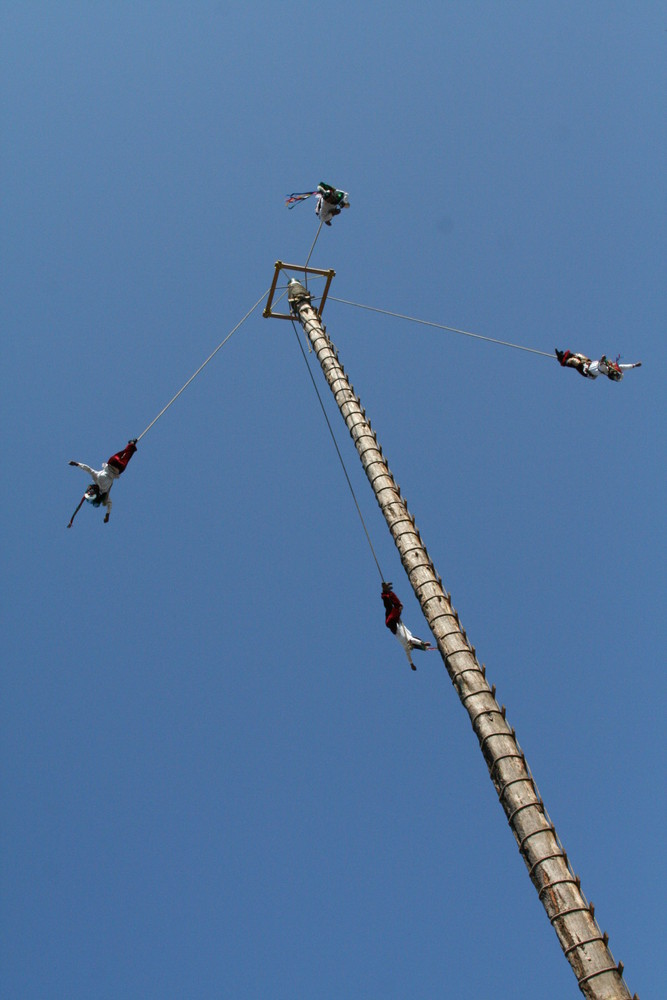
(441, 326)
(335, 444)
(201, 367)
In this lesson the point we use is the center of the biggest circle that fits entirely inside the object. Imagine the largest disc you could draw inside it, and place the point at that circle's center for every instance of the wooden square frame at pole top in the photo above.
(280, 266)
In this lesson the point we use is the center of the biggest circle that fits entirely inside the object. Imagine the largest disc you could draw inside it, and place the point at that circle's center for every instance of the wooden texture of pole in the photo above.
(558, 888)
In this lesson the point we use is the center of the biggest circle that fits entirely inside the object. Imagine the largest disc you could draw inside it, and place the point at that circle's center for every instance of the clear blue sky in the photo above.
(219, 776)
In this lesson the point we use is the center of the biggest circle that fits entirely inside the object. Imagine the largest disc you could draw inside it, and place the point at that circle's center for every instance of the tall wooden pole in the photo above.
(558, 888)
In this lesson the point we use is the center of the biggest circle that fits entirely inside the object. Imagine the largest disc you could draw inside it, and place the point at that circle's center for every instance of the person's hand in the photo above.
(73, 463)
(106, 518)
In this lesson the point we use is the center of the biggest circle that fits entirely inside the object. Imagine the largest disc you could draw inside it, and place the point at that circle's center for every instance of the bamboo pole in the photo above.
(558, 888)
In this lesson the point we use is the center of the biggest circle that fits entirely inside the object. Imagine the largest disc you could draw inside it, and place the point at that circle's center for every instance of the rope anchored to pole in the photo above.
(441, 326)
(340, 457)
(201, 367)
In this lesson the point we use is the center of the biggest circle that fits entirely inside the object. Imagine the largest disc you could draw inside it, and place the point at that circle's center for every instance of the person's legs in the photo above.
(121, 458)
(392, 619)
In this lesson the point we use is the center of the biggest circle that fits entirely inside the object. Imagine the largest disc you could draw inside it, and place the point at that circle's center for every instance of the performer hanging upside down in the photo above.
(97, 493)
(393, 608)
(591, 369)
(329, 203)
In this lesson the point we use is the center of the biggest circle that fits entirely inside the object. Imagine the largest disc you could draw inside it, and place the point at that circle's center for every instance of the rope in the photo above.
(201, 367)
(340, 457)
(310, 254)
(440, 326)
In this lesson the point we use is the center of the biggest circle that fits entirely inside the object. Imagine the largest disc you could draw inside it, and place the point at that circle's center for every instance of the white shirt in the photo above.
(104, 479)
(325, 210)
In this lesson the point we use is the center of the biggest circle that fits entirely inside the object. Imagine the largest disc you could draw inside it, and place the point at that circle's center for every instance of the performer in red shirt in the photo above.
(393, 609)
(98, 492)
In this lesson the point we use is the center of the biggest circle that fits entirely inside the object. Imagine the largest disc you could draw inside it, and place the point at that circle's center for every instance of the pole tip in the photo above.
(296, 291)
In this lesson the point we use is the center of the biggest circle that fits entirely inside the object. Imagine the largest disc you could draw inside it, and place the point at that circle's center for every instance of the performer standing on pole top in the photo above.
(393, 608)
(97, 493)
(330, 201)
(591, 369)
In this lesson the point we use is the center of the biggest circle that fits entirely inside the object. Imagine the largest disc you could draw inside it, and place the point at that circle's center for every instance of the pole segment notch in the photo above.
(559, 890)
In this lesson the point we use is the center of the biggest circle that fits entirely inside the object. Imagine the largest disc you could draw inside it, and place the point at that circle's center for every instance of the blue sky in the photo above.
(220, 777)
